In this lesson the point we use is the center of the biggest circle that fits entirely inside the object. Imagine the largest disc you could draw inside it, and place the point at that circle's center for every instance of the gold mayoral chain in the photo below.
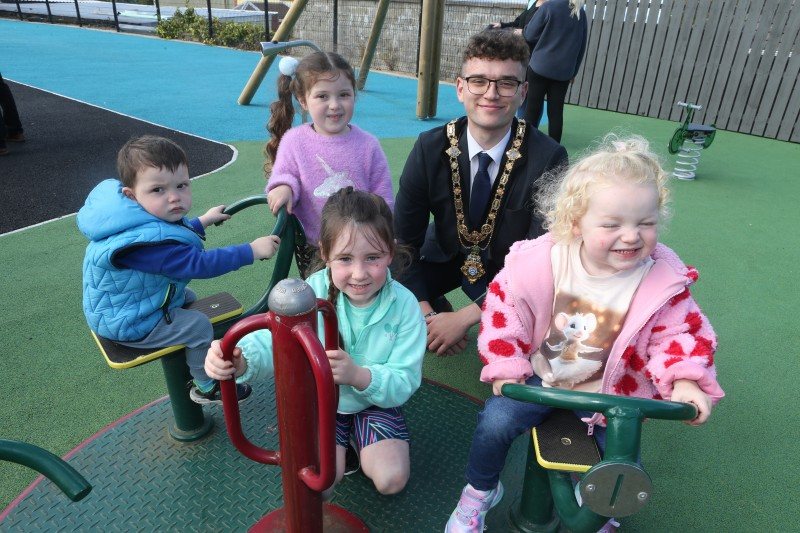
(473, 267)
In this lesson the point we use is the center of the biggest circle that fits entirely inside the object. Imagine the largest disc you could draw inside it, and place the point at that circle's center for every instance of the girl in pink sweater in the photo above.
(606, 310)
(306, 164)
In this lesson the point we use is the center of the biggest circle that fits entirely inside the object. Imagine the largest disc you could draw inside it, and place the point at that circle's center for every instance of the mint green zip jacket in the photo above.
(391, 346)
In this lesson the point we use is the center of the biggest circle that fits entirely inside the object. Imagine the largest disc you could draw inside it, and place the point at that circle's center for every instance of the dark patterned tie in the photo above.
(481, 187)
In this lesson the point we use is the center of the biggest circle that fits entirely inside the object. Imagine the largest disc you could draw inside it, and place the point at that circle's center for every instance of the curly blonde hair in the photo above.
(562, 198)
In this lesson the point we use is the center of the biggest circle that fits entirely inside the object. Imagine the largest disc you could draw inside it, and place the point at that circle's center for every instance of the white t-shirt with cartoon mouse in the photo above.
(588, 312)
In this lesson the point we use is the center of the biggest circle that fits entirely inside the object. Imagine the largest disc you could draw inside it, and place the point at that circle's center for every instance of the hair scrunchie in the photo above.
(288, 66)
(621, 146)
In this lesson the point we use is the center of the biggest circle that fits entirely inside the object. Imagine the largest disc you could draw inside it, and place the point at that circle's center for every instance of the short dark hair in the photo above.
(148, 151)
(497, 44)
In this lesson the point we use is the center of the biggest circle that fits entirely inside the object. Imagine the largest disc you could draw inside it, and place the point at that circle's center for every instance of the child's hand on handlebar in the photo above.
(346, 371)
(497, 384)
(278, 197)
(213, 216)
(218, 368)
(687, 391)
(265, 247)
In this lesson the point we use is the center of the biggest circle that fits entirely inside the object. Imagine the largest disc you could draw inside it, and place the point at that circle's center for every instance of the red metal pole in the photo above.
(306, 400)
(298, 420)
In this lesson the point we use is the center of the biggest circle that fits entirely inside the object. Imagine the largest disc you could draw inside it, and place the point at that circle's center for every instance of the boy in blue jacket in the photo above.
(144, 251)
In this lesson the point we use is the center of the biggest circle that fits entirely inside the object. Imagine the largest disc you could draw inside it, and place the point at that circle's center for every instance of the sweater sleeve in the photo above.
(681, 346)
(257, 351)
(182, 261)
(412, 213)
(532, 31)
(504, 345)
(584, 38)
(285, 170)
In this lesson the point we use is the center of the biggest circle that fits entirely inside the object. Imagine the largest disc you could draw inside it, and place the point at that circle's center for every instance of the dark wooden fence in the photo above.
(733, 57)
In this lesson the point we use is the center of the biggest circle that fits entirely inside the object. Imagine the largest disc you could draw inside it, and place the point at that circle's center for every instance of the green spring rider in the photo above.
(560, 449)
(688, 142)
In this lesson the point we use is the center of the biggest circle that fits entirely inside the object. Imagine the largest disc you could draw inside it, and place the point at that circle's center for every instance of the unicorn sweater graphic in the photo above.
(315, 166)
(334, 181)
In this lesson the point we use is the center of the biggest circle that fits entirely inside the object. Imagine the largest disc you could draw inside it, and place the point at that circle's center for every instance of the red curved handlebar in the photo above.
(327, 393)
(331, 324)
(326, 407)
(230, 403)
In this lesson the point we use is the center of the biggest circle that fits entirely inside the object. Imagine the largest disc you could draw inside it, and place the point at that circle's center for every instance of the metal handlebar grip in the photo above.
(230, 403)
(600, 403)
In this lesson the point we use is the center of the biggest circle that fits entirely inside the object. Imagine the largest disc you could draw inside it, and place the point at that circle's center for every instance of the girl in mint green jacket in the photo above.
(383, 335)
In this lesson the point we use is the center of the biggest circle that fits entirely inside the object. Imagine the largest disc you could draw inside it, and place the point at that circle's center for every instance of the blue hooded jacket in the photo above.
(125, 304)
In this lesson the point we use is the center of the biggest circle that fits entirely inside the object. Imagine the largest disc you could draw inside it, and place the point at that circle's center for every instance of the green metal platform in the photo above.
(145, 481)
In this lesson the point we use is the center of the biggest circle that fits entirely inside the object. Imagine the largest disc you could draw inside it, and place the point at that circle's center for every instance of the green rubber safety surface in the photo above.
(143, 480)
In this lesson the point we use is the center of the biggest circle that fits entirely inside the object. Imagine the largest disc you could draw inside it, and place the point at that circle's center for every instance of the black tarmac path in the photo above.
(69, 148)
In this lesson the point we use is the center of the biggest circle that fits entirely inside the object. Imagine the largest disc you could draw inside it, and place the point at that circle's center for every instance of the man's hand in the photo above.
(447, 332)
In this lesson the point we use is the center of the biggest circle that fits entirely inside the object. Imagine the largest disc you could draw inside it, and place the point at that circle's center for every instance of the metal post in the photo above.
(535, 510)
(158, 11)
(372, 44)
(116, 18)
(19, 10)
(335, 25)
(49, 13)
(78, 14)
(210, 25)
(190, 422)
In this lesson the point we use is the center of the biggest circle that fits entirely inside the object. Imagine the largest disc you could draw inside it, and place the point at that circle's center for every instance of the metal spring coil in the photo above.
(688, 159)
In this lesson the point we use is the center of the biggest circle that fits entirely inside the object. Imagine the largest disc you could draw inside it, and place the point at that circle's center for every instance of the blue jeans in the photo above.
(500, 422)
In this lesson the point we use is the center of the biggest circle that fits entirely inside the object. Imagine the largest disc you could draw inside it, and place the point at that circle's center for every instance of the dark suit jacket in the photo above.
(425, 189)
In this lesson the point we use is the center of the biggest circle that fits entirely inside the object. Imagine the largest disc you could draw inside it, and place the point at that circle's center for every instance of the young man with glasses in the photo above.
(476, 176)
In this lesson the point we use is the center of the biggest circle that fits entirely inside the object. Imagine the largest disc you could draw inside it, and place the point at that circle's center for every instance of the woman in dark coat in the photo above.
(557, 37)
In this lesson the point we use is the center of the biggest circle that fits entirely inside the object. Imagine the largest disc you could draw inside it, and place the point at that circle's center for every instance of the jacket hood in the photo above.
(107, 212)
(666, 255)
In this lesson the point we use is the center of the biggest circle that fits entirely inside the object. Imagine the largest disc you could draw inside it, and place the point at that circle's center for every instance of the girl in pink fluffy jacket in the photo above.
(608, 310)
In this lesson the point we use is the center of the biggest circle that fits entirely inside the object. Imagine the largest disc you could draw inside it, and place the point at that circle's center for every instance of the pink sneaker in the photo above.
(470, 513)
(610, 527)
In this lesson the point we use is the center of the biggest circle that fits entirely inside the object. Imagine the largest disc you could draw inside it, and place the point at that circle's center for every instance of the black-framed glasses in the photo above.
(505, 87)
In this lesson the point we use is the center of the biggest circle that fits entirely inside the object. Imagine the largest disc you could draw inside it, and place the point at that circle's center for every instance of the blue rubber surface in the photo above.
(189, 87)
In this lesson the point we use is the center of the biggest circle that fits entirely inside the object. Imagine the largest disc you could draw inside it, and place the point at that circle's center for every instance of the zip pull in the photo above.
(165, 308)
